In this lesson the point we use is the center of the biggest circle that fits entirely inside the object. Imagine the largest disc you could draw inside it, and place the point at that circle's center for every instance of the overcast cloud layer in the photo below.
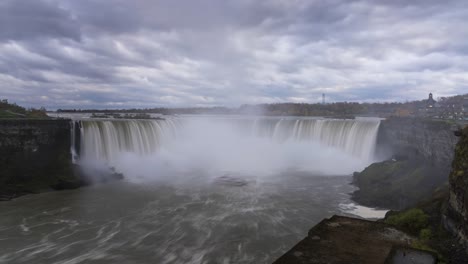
(118, 54)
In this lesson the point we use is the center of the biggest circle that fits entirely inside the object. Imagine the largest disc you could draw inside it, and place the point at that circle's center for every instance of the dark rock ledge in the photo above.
(344, 240)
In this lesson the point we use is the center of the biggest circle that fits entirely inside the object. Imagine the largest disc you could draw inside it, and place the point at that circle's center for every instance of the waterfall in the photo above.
(105, 139)
(73, 138)
(356, 137)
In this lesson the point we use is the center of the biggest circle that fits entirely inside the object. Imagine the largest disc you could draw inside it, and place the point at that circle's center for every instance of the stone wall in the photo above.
(456, 215)
(35, 156)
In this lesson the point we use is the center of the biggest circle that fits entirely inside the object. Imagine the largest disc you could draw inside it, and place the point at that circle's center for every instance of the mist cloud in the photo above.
(106, 54)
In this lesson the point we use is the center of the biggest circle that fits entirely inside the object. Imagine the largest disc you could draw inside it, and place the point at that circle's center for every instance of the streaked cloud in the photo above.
(105, 54)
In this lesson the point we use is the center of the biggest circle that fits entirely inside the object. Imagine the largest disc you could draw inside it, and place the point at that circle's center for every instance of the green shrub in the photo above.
(418, 244)
(9, 110)
(412, 220)
(425, 234)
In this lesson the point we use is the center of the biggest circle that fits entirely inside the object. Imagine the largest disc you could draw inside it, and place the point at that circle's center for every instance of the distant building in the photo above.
(402, 112)
(430, 103)
(464, 108)
(454, 107)
(431, 106)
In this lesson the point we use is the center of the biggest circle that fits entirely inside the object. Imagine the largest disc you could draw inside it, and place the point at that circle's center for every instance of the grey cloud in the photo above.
(29, 19)
(107, 17)
(129, 16)
(97, 53)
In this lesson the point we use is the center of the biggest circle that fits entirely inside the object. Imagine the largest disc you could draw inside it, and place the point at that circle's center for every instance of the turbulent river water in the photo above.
(194, 192)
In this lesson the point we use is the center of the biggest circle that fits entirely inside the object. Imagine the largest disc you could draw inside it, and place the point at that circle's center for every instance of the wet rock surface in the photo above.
(349, 240)
(418, 153)
(410, 256)
(456, 215)
(35, 157)
(417, 138)
(397, 184)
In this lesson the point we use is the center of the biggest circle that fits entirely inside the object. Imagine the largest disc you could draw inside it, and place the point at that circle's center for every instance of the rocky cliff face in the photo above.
(456, 216)
(397, 184)
(422, 151)
(430, 140)
(35, 156)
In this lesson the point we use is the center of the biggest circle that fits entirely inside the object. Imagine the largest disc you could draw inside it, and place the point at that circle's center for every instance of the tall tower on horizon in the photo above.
(323, 98)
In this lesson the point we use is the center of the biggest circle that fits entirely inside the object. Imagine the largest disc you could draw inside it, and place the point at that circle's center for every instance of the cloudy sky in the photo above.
(149, 53)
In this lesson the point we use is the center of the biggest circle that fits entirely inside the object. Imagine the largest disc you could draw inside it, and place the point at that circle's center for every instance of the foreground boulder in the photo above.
(341, 240)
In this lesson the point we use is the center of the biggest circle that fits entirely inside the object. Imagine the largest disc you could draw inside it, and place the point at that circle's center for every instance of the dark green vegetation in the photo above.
(441, 222)
(457, 209)
(416, 222)
(337, 109)
(416, 180)
(426, 223)
(8, 110)
(279, 109)
(397, 184)
(125, 116)
(413, 220)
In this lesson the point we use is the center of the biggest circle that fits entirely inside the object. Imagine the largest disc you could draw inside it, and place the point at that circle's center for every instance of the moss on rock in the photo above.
(456, 219)
(397, 184)
(412, 221)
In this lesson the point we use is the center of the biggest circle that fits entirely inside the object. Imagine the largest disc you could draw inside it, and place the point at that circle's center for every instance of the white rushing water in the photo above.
(196, 190)
(104, 140)
(254, 145)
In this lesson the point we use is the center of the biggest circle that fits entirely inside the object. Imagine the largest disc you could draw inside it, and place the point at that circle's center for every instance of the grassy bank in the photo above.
(12, 110)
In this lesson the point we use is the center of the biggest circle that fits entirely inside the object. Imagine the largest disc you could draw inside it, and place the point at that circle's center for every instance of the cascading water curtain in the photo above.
(105, 139)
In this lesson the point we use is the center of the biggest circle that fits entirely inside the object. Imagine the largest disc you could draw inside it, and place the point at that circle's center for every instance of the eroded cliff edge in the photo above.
(418, 154)
(456, 215)
(35, 157)
(429, 139)
(425, 225)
